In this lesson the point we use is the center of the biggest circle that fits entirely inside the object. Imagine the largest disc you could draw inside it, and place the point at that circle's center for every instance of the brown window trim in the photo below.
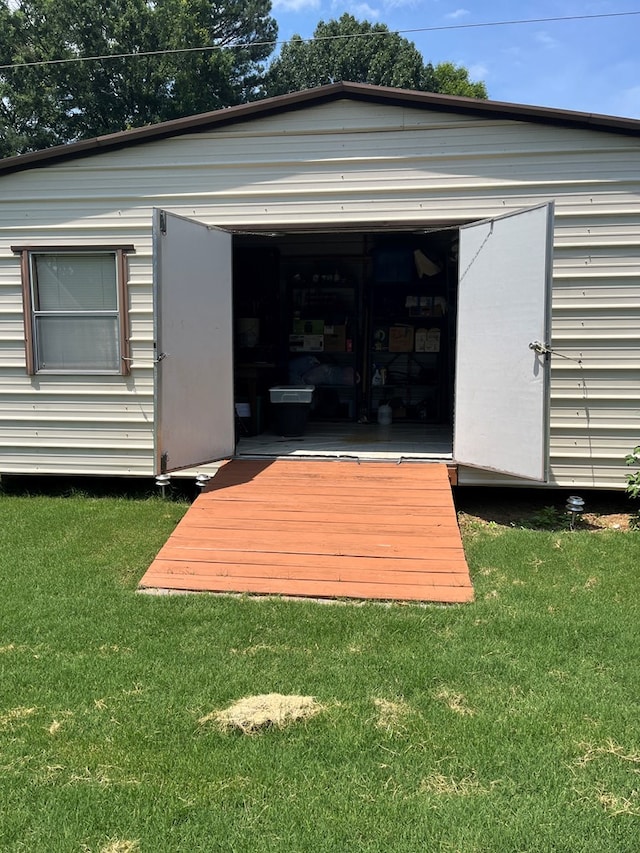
(122, 276)
(77, 250)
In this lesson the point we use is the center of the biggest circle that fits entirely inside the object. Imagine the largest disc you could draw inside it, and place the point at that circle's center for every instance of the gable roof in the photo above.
(362, 92)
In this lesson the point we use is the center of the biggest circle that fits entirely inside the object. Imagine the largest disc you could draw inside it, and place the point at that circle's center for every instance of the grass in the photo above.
(510, 724)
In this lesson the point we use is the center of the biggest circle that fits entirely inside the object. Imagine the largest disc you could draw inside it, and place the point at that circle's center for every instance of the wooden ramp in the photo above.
(322, 529)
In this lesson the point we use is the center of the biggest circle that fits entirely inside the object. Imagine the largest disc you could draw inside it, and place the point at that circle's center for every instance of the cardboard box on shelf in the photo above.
(401, 339)
(335, 338)
(306, 343)
(428, 340)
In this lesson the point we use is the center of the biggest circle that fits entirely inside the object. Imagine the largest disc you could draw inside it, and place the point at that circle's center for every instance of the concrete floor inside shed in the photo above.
(366, 442)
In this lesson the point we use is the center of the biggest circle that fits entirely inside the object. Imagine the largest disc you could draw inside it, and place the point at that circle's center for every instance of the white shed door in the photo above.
(502, 385)
(194, 356)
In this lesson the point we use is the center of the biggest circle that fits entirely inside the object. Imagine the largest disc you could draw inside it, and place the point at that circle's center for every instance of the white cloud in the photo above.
(364, 10)
(357, 9)
(295, 5)
(361, 11)
(543, 38)
(459, 13)
(513, 51)
(478, 71)
(400, 4)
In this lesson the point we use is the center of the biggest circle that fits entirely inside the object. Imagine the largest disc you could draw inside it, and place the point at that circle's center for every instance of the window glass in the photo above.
(77, 343)
(75, 283)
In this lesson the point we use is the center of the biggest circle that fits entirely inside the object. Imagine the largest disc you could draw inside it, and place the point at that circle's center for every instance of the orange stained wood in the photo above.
(321, 529)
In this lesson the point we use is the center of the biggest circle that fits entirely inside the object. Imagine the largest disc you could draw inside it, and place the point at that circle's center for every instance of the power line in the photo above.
(520, 21)
(241, 45)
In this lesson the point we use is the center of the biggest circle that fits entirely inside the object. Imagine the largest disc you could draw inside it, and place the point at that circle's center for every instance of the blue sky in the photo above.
(591, 65)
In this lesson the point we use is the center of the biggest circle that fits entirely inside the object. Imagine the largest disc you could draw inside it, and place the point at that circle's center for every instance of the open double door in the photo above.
(501, 381)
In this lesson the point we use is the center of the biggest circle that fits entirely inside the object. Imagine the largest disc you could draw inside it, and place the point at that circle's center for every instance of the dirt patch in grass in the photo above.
(610, 748)
(456, 702)
(613, 803)
(118, 846)
(15, 715)
(448, 786)
(542, 509)
(268, 710)
(391, 713)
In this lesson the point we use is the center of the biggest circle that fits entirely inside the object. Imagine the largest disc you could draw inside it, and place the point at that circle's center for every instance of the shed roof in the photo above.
(362, 92)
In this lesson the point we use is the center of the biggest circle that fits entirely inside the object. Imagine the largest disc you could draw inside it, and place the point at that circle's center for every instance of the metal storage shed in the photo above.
(524, 207)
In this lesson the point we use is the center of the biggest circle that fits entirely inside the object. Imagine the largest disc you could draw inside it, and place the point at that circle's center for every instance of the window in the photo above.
(75, 310)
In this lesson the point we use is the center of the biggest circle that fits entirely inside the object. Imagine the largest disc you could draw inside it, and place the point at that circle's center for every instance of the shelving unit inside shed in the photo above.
(366, 318)
(409, 335)
(324, 297)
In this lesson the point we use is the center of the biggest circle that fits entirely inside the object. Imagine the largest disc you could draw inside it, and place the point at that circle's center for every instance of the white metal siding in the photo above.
(57, 424)
(330, 166)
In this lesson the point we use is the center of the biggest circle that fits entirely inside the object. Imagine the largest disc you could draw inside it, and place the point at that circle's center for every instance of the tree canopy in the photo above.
(42, 105)
(361, 52)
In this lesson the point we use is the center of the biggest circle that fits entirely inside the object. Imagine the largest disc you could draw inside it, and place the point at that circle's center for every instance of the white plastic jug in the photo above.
(384, 414)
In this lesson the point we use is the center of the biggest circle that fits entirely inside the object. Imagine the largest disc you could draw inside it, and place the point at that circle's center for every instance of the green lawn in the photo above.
(511, 724)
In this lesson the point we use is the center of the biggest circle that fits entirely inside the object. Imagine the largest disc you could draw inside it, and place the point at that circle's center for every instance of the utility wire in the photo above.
(241, 45)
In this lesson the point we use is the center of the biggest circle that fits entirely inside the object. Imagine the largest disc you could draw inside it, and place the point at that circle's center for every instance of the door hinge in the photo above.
(163, 222)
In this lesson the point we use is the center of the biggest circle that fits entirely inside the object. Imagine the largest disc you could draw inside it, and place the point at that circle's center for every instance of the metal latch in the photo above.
(540, 348)
(545, 349)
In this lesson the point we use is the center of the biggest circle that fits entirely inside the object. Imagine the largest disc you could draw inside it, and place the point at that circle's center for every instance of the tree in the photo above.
(25, 103)
(361, 52)
(50, 104)
(450, 79)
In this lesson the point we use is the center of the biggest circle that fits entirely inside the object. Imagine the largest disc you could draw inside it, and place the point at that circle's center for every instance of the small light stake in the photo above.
(575, 507)
(202, 480)
(162, 481)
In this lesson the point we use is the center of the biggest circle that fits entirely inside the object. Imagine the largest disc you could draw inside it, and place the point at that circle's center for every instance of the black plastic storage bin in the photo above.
(290, 405)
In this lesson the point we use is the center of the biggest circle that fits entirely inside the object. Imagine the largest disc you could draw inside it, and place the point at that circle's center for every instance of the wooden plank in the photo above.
(248, 514)
(332, 500)
(364, 481)
(379, 492)
(427, 475)
(284, 508)
(323, 589)
(335, 573)
(433, 561)
(367, 545)
(374, 525)
(330, 526)
(320, 529)
(280, 468)
(380, 489)
(364, 478)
